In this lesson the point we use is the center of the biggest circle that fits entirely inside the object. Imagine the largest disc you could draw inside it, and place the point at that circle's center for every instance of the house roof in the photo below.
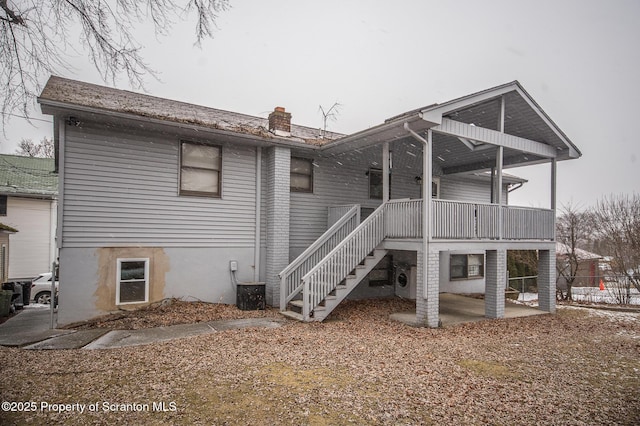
(563, 250)
(455, 123)
(72, 94)
(466, 133)
(27, 176)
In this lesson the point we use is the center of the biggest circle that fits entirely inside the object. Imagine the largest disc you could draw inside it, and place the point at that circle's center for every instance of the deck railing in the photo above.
(458, 220)
(319, 270)
(403, 219)
(291, 276)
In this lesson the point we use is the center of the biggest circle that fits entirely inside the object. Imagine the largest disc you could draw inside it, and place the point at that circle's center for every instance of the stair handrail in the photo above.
(291, 276)
(324, 277)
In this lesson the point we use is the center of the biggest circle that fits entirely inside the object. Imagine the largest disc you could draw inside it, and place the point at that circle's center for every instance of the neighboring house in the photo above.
(160, 198)
(5, 232)
(589, 272)
(28, 203)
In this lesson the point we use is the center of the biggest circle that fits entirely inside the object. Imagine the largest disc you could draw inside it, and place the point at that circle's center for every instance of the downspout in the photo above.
(554, 180)
(426, 199)
(60, 133)
(256, 254)
(385, 172)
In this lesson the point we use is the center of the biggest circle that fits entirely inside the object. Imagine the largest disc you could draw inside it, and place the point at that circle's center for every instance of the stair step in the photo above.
(293, 315)
(300, 304)
(297, 303)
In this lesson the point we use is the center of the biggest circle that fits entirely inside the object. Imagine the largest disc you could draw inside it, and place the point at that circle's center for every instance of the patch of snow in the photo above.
(595, 295)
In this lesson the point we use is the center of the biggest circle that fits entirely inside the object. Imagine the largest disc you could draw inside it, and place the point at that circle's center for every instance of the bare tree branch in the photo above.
(617, 220)
(34, 40)
(43, 149)
(573, 229)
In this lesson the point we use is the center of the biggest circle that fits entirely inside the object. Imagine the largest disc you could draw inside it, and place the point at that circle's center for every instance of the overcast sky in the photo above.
(578, 59)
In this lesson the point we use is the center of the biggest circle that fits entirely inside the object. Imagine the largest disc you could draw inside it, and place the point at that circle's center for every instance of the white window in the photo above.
(466, 266)
(200, 169)
(132, 281)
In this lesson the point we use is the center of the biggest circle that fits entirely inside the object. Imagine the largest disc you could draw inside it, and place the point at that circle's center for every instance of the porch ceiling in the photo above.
(529, 137)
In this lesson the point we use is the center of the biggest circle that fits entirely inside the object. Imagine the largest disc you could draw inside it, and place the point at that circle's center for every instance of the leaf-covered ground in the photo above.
(580, 366)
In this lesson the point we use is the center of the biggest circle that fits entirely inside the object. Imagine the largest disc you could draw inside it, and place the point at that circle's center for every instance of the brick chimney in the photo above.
(280, 122)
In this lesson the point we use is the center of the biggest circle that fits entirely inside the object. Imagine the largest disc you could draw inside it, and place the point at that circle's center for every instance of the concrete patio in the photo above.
(458, 309)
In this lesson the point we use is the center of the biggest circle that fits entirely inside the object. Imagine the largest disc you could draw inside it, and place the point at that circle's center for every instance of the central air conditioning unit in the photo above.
(405, 281)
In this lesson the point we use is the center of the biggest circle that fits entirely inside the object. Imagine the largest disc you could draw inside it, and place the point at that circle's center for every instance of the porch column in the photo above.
(385, 172)
(428, 289)
(499, 164)
(547, 280)
(495, 283)
(277, 203)
(499, 159)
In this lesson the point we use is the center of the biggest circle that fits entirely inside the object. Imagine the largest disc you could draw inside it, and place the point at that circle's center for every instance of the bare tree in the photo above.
(43, 149)
(617, 219)
(573, 228)
(35, 39)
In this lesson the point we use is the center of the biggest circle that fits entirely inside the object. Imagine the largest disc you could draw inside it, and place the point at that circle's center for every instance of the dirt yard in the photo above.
(581, 366)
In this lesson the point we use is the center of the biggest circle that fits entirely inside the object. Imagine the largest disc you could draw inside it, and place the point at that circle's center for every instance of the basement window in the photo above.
(132, 281)
(466, 266)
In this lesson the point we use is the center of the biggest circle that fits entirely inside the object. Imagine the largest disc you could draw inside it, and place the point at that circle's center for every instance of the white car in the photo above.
(41, 288)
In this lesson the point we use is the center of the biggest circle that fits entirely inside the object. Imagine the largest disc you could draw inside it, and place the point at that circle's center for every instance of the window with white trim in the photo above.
(466, 266)
(200, 169)
(132, 281)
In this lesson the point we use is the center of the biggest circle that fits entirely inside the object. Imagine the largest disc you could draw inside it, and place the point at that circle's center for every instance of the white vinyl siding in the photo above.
(30, 251)
(122, 190)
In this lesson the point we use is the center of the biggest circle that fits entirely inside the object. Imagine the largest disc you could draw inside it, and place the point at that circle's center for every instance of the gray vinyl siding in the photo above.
(463, 189)
(337, 180)
(121, 189)
(342, 179)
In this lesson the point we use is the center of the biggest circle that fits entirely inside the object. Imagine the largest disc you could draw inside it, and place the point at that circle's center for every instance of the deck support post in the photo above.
(547, 280)
(495, 283)
(428, 277)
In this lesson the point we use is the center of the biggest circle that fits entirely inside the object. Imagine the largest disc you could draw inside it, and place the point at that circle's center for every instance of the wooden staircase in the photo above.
(295, 307)
(321, 277)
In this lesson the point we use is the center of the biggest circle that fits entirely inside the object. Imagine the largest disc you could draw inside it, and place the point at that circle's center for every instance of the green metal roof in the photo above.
(29, 176)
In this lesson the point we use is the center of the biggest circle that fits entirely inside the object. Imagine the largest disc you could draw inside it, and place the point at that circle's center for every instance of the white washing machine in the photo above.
(405, 281)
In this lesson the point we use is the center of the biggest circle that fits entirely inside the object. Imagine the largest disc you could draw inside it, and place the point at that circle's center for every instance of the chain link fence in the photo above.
(610, 289)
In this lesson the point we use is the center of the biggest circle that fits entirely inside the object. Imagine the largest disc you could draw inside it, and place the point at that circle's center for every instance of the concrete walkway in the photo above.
(30, 330)
(458, 309)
